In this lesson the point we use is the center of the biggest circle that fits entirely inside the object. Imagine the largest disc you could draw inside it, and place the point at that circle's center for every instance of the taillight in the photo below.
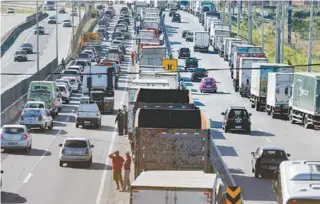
(21, 117)
(40, 117)
(24, 137)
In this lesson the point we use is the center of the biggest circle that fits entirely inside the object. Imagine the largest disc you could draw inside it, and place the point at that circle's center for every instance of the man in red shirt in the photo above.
(117, 162)
(127, 165)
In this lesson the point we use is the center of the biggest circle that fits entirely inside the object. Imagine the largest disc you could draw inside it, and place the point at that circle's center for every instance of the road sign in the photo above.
(170, 65)
(233, 195)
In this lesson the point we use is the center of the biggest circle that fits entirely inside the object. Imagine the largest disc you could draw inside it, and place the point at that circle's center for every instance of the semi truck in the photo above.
(279, 85)
(259, 82)
(180, 187)
(304, 102)
(201, 41)
(245, 74)
(170, 142)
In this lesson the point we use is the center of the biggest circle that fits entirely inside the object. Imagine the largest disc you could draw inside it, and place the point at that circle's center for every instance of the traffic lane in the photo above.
(281, 135)
(9, 21)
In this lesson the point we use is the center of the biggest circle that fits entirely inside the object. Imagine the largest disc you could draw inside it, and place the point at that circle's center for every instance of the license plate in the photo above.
(238, 127)
(12, 143)
(88, 122)
(208, 86)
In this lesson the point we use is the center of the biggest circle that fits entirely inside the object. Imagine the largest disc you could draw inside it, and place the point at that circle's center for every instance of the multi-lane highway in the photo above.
(235, 148)
(47, 49)
(37, 178)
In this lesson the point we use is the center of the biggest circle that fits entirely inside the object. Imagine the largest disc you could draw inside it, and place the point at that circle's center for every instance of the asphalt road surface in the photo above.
(37, 178)
(9, 21)
(235, 148)
(47, 49)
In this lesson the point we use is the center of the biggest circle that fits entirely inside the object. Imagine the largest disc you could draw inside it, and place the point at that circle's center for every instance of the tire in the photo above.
(43, 129)
(61, 163)
(305, 122)
(59, 109)
(77, 125)
(51, 126)
(257, 106)
(252, 105)
(248, 130)
(27, 150)
(290, 117)
(226, 129)
(89, 163)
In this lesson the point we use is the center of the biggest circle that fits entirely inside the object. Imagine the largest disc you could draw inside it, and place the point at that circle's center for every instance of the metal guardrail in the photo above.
(165, 36)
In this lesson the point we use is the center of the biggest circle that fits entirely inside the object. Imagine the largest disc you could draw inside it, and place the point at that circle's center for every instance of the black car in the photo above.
(266, 160)
(40, 30)
(176, 18)
(198, 74)
(191, 62)
(184, 33)
(27, 47)
(236, 118)
(172, 11)
(183, 53)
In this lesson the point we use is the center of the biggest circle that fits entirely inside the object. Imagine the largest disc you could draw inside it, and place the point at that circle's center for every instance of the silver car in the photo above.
(76, 150)
(20, 55)
(16, 137)
(36, 118)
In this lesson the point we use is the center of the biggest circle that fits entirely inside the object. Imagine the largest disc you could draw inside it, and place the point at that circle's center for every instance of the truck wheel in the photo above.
(252, 105)
(290, 117)
(269, 111)
(77, 125)
(272, 114)
(305, 121)
(257, 105)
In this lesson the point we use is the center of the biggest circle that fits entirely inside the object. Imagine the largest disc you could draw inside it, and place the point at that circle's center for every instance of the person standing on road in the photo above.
(117, 162)
(132, 58)
(125, 119)
(120, 120)
(126, 176)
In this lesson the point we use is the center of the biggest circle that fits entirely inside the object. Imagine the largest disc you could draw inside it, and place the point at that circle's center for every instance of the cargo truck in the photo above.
(227, 47)
(304, 102)
(259, 82)
(279, 85)
(179, 187)
(245, 74)
(152, 55)
(170, 76)
(201, 41)
(204, 15)
(173, 140)
(232, 49)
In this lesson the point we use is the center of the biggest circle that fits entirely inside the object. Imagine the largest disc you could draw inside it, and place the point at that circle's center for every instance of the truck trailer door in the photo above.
(198, 197)
(150, 196)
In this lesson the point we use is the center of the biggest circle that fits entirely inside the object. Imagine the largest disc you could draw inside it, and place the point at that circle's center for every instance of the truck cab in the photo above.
(104, 98)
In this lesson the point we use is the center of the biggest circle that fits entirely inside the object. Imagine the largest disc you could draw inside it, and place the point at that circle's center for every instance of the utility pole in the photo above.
(229, 15)
(73, 46)
(57, 32)
(79, 13)
(277, 35)
(223, 10)
(262, 26)
(310, 37)
(238, 18)
(290, 23)
(282, 33)
(249, 22)
(38, 40)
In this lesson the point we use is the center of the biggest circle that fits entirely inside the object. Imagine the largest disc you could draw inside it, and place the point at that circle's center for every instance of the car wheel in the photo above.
(43, 128)
(77, 125)
(30, 147)
(89, 163)
(61, 163)
(57, 113)
(51, 126)
(226, 129)
(14, 60)
(27, 149)
(67, 101)
(248, 130)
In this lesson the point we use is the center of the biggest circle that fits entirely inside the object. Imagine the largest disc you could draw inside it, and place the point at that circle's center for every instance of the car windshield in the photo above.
(61, 81)
(12, 130)
(208, 80)
(70, 72)
(184, 50)
(234, 112)
(31, 113)
(71, 80)
(20, 52)
(83, 55)
(76, 144)
(82, 63)
(192, 60)
(26, 45)
(273, 153)
(34, 105)
(61, 88)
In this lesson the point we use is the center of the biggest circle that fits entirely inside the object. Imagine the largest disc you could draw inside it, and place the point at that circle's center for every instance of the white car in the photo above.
(15, 136)
(74, 84)
(64, 81)
(91, 54)
(76, 150)
(72, 73)
(65, 93)
(36, 118)
(76, 67)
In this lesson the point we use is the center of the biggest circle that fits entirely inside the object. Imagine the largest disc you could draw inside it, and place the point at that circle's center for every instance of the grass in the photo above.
(19, 11)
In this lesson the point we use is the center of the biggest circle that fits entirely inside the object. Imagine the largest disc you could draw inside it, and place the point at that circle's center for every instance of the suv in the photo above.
(236, 118)
(176, 18)
(65, 93)
(189, 37)
(183, 53)
(191, 62)
(40, 30)
(20, 55)
(266, 160)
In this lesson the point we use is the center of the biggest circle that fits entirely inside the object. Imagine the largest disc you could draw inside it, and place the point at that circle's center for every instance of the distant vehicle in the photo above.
(176, 18)
(40, 30)
(36, 118)
(198, 74)
(52, 20)
(10, 11)
(49, 5)
(184, 33)
(236, 118)
(266, 160)
(88, 114)
(76, 67)
(208, 84)
(172, 11)
(64, 81)
(27, 47)
(67, 24)
(121, 39)
(91, 55)
(191, 62)
(76, 150)
(62, 10)
(74, 84)
(117, 34)
(65, 93)
(20, 55)
(189, 37)
(183, 52)
(15, 137)
(112, 10)
(74, 13)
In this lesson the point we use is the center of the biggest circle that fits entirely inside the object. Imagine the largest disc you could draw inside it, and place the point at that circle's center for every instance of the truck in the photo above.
(90, 39)
(208, 14)
(178, 187)
(161, 5)
(304, 104)
(170, 76)
(217, 40)
(150, 68)
(279, 85)
(152, 55)
(151, 25)
(98, 84)
(259, 82)
(208, 22)
(232, 48)
(245, 74)
(170, 142)
(201, 41)
(227, 42)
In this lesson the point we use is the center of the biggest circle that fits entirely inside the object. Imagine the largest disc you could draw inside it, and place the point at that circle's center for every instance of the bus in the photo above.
(49, 5)
(297, 182)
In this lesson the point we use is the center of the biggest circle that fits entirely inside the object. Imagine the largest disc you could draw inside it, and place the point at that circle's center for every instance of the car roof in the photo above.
(13, 125)
(42, 102)
(272, 148)
(76, 138)
(238, 107)
(33, 108)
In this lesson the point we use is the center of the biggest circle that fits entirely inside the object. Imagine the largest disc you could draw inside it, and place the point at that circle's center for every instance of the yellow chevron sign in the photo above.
(233, 195)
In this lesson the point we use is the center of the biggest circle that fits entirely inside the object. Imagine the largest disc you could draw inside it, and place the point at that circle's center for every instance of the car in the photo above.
(65, 93)
(91, 54)
(52, 20)
(191, 62)
(88, 114)
(104, 27)
(72, 73)
(117, 51)
(40, 30)
(100, 6)
(184, 33)
(112, 10)
(117, 34)
(267, 159)
(236, 118)
(93, 49)
(122, 27)
(64, 81)
(62, 10)
(76, 150)
(176, 18)
(83, 62)
(189, 37)
(76, 67)
(208, 84)
(10, 11)
(121, 39)
(67, 24)
(20, 55)
(124, 10)
(27, 47)
(198, 74)
(172, 11)
(74, 83)
(35, 104)
(183, 52)
(84, 56)
(36, 118)
(74, 13)
(14, 136)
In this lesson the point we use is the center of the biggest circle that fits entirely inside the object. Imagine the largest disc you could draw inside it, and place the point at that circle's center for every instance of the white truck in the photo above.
(147, 36)
(152, 55)
(245, 73)
(151, 24)
(232, 49)
(201, 41)
(227, 45)
(177, 187)
(208, 22)
(217, 38)
(279, 86)
(170, 76)
(259, 82)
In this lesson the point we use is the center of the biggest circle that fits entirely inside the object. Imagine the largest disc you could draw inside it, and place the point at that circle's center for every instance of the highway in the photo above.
(37, 178)
(235, 148)
(47, 48)
(9, 21)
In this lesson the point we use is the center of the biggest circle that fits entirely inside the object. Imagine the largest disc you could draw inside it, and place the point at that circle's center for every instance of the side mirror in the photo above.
(252, 153)
(60, 145)
(91, 146)
(223, 113)
(288, 155)
(250, 114)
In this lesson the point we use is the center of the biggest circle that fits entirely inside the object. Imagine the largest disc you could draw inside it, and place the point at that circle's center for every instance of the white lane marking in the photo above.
(27, 178)
(107, 161)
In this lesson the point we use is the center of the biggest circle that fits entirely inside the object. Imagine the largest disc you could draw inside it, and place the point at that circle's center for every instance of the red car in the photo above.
(208, 84)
